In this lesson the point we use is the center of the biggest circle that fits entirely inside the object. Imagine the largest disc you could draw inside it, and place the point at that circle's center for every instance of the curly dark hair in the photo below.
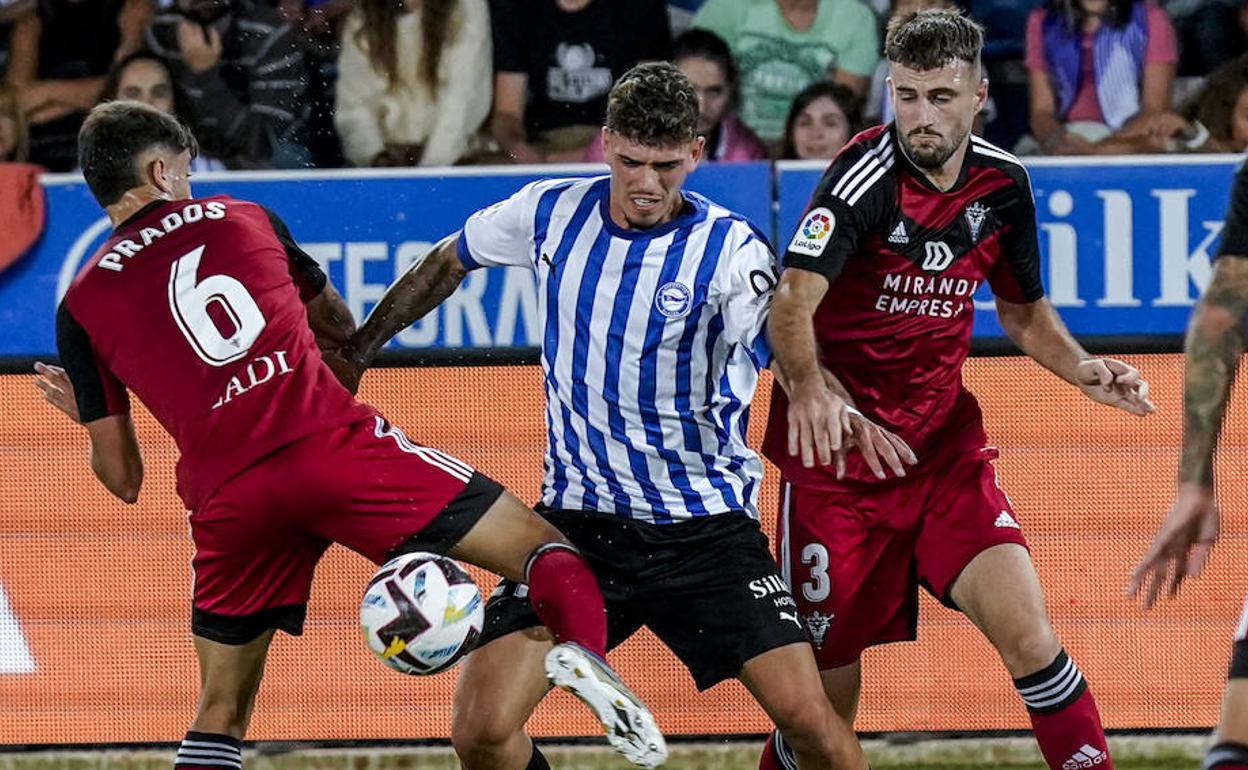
(930, 39)
(653, 104)
(1214, 104)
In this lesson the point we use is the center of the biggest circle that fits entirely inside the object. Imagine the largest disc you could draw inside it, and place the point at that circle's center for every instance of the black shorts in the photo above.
(708, 589)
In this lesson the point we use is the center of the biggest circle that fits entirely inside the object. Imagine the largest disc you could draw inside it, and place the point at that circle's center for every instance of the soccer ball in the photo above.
(421, 613)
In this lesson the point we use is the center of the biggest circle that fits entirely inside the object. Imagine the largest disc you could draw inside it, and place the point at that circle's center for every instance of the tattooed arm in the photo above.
(1215, 341)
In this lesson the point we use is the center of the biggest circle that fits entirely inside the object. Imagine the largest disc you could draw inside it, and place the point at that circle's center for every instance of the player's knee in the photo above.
(222, 713)
(807, 730)
(481, 737)
(1029, 650)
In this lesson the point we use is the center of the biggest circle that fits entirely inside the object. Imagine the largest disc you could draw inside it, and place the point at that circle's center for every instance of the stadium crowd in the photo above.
(332, 83)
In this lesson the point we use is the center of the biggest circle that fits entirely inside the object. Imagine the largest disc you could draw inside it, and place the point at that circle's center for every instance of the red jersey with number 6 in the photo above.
(904, 260)
(198, 307)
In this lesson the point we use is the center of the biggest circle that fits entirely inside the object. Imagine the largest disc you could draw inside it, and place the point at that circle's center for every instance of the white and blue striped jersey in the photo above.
(652, 343)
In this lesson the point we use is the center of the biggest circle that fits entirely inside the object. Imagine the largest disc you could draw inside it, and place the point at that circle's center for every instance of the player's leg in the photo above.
(500, 684)
(812, 736)
(229, 676)
(839, 554)
(972, 554)
(1230, 749)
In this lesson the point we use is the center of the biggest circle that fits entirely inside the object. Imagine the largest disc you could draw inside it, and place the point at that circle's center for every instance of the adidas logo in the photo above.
(1006, 520)
(899, 234)
(1085, 757)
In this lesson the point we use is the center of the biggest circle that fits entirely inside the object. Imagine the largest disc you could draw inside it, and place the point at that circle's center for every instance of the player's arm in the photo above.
(420, 289)
(90, 395)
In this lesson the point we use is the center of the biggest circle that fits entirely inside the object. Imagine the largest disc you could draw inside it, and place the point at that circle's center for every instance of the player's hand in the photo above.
(1110, 381)
(200, 45)
(819, 424)
(57, 390)
(879, 447)
(1180, 548)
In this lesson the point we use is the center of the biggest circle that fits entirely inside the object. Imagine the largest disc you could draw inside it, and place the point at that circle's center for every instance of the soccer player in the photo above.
(907, 222)
(208, 311)
(1215, 342)
(653, 305)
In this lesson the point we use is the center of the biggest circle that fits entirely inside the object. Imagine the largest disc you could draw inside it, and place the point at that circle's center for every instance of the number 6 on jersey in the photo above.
(190, 303)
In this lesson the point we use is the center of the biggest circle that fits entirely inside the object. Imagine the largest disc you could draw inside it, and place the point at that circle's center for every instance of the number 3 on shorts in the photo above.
(818, 587)
(189, 302)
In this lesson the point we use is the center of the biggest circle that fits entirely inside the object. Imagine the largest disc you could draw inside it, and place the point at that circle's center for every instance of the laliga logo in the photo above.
(817, 226)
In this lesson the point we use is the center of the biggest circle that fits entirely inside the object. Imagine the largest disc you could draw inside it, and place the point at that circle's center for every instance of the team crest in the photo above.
(814, 232)
(817, 623)
(673, 300)
(975, 214)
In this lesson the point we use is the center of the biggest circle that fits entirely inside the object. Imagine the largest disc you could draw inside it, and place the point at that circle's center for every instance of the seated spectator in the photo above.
(1109, 63)
(319, 24)
(782, 46)
(1219, 110)
(705, 59)
(145, 77)
(555, 61)
(1208, 33)
(59, 53)
(242, 69)
(823, 118)
(413, 81)
(14, 142)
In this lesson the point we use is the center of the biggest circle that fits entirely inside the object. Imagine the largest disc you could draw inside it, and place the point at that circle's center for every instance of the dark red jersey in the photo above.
(904, 260)
(197, 307)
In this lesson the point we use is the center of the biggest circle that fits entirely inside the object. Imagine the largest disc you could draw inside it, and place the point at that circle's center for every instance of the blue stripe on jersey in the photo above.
(541, 226)
(550, 344)
(684, 365)
(647, 406)
(580, 357)
(634, 259)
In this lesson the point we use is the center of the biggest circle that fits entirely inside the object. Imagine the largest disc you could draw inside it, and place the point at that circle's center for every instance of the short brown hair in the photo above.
(113, 137)
(654, 104)
(930, 39)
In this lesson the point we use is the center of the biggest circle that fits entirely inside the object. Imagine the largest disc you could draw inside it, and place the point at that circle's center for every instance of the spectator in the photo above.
(1108, 63)
(555, 61)
(241, 67)
(145, 77)
(823, 118)
(319, 24)
(705, 59)
(1208, 33)
(59, 53)
(1220, 109)
(413, 81)
(14, 143)
(782, 46)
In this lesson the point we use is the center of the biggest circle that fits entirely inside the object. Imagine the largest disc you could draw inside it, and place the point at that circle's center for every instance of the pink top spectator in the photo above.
(1161, 48)
(736, 143)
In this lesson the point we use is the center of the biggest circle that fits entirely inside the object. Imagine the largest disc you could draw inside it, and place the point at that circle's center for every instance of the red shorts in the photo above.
(259, 536)
(854, 558)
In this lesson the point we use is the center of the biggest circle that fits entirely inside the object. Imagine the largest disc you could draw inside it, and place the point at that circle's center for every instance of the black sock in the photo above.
(1226, 755)
(210, 751)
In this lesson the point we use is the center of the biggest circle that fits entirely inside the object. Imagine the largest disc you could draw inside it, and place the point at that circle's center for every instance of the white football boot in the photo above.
(630, 727)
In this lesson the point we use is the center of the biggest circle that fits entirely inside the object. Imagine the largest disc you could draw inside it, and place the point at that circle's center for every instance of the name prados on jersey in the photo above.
(187, 215)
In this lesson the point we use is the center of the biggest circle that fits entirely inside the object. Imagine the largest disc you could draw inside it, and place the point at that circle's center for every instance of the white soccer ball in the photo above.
(421, 613)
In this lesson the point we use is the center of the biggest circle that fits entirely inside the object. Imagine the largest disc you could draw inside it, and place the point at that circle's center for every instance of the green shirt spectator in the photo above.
(782, 46)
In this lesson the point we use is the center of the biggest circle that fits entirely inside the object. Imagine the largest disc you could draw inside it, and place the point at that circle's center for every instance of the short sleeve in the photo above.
(1162, 46)
(749, 286)
(96, 389)
(501, 234)
(304, 269)
(846, 204)
(1235, 231)
(1016, 275)
(1034, 45)
(508, 32)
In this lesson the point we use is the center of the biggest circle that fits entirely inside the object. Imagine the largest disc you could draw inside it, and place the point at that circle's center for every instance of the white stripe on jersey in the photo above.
(440, 460)
(863, 173)
(991, 150)
(644, 409)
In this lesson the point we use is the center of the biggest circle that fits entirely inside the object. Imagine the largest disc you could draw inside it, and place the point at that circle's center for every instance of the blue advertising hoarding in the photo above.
(1126, 242)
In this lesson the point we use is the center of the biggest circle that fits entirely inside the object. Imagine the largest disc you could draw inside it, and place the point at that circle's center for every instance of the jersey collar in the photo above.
(917, 173)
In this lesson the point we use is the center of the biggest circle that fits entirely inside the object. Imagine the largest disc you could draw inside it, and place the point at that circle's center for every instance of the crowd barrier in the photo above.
(1126, 242)
(94, 617)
